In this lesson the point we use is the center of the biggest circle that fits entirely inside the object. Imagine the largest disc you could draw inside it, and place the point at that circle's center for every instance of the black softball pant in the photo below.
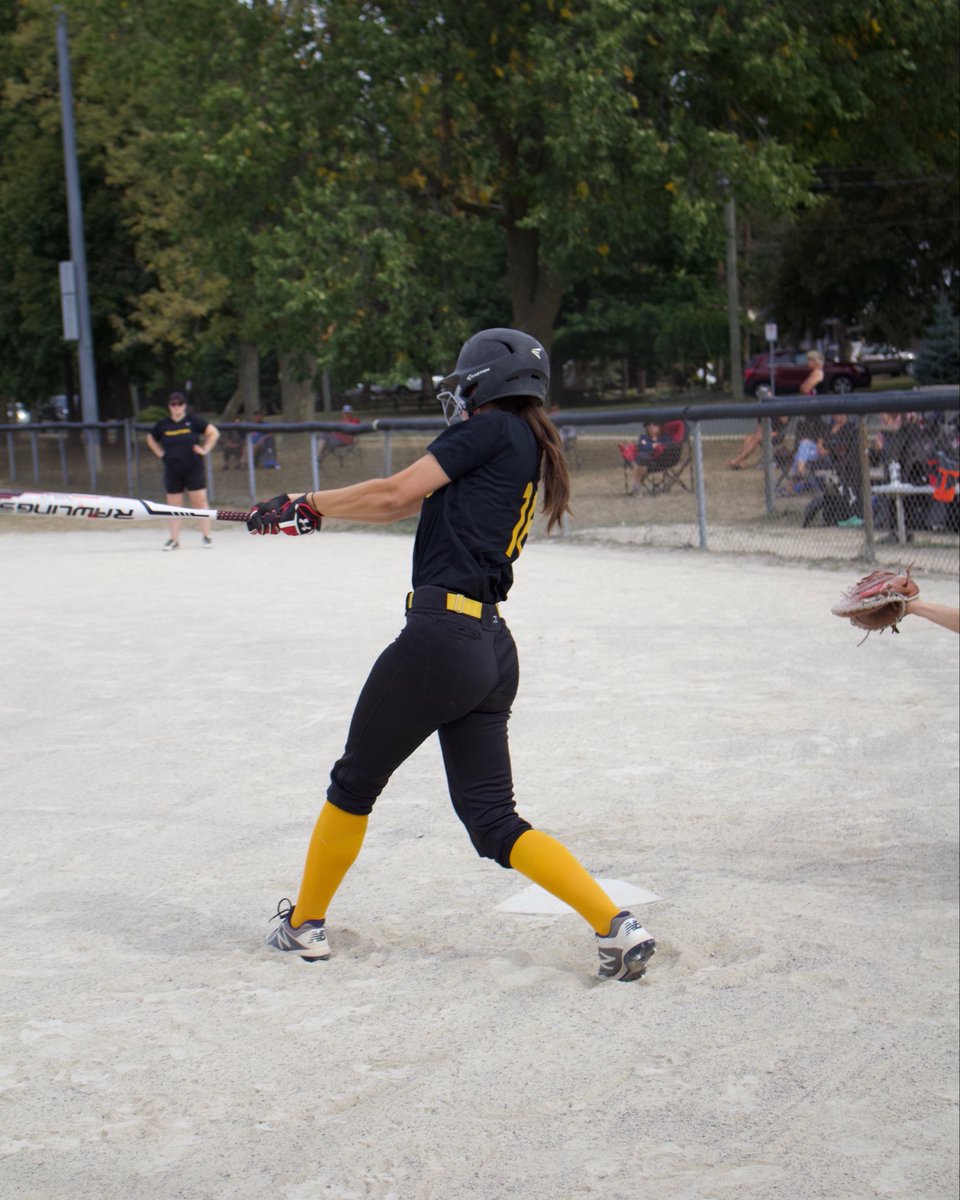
(457, 676)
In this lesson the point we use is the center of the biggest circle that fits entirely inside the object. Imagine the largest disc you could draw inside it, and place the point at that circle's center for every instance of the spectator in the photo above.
(810, 441)
(180, 441)
(568, 433)
(842, 444)
(658, 448)
(329, 443)
(263, 447)
(232, 446)
(650, 446)
(810, 387)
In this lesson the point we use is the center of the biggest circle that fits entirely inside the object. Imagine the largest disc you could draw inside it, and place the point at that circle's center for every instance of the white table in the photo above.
(898, 491)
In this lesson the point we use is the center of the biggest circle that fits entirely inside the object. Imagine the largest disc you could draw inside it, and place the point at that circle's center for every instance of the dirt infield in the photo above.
(697, 726)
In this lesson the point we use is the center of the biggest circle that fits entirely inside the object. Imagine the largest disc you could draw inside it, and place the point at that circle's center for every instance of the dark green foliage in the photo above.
(939, 357)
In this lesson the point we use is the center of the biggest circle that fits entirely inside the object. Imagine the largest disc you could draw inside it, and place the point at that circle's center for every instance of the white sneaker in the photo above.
(625, 950)
(170, 544)
(309, 940)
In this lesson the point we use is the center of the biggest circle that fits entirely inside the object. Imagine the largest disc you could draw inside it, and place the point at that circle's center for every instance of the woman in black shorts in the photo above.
(453, 669)
(182, 441)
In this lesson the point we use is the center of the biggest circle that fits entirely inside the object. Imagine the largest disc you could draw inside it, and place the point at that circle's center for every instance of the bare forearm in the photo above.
(940, 614)
(372, 502)
(380, 501)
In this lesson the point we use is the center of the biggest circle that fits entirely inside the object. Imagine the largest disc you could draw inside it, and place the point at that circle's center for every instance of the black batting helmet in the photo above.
(493, 364)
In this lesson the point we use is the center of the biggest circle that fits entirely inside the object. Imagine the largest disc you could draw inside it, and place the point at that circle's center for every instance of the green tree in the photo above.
(939, 357)
(876, 250)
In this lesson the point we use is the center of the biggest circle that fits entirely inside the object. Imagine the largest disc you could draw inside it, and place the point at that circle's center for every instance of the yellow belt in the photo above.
(458, 604)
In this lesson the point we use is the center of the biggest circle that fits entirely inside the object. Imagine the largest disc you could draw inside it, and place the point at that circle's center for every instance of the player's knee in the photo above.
(359, 806)
(497, 842)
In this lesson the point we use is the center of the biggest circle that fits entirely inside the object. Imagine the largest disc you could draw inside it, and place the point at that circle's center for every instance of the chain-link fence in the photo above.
(868, 506)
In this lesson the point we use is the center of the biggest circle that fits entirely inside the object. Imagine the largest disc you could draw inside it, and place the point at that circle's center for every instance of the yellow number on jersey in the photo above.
(522, 527)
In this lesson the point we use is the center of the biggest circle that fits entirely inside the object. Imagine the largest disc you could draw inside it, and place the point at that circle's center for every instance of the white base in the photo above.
(534, 899)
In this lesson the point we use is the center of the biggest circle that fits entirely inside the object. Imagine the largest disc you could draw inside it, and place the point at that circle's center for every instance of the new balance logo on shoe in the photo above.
(625, 950)
(309, 940)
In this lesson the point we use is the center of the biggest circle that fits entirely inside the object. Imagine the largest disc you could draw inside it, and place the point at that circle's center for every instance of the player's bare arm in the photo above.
(210, 439)
(940, 614)
(381, 501)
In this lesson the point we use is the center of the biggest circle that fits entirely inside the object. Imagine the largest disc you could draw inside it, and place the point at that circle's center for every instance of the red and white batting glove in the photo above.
(297, 518)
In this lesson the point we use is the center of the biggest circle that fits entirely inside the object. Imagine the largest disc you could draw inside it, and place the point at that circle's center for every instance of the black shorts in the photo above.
(455, 676)
(184, 477)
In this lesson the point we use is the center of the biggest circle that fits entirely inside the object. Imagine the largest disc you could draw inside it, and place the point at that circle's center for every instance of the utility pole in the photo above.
(88, 380)
(733, 298)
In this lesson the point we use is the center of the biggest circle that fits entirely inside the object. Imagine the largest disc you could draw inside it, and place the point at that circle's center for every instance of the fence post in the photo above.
(251, 470)
(138, 490)
(128, 465)
(62, 448)
(91, 441)
(698, 484)
(314, 465)
(34, 457)
(208, 475)
(866, 491)
(387, 453)
(12, 457)
(767, 455)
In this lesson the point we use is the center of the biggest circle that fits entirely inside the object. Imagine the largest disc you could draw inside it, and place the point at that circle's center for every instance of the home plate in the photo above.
(534, 899)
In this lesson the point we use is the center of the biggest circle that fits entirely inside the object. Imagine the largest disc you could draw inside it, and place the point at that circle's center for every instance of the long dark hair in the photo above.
(555, 477)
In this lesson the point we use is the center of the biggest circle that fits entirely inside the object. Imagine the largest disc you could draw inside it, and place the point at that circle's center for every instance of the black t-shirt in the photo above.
(472, 529)
(177, 438)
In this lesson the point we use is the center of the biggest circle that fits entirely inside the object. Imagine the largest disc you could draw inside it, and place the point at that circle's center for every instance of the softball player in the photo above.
(453, 669)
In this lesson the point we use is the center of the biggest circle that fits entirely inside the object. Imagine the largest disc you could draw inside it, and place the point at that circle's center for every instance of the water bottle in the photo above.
(894, 472)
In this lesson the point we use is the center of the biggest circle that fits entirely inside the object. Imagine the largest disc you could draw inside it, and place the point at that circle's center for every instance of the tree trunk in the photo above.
(248, 379)
(535, 293)
(297, 396)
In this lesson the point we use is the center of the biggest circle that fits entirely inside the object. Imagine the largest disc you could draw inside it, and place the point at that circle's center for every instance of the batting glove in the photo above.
(297, 518)
(263, 517)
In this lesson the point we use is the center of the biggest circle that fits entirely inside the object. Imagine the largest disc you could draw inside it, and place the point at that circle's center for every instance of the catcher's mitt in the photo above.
(878, 601)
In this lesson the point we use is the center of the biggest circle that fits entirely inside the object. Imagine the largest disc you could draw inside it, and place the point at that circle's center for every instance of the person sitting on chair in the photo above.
(329, 443)
(264, 447)
(650, 449)
(232, 446)
(811, 433)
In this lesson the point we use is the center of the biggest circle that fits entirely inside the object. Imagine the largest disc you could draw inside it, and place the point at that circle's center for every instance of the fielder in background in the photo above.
(453, 670)
(181, 441)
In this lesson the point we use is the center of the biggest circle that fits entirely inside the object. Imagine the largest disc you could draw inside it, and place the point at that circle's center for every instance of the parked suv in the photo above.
(792, 368)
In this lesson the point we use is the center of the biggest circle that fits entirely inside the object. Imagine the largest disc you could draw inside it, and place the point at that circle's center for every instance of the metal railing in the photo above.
(111, 455)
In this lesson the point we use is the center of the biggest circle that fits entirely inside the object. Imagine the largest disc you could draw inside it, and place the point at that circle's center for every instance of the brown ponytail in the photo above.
(554, 476)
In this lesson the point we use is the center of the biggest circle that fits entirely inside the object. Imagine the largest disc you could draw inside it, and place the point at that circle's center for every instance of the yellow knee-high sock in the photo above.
(551, 865)
(334, 846)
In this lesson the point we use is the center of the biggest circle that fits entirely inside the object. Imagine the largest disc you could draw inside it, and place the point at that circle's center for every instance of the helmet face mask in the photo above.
(453, 403)
(493, 364)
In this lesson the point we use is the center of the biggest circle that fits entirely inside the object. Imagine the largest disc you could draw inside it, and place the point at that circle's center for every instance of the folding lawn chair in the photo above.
(669, 467)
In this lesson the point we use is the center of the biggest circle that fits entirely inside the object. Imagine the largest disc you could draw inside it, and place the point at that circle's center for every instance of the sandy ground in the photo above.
(700, 727)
